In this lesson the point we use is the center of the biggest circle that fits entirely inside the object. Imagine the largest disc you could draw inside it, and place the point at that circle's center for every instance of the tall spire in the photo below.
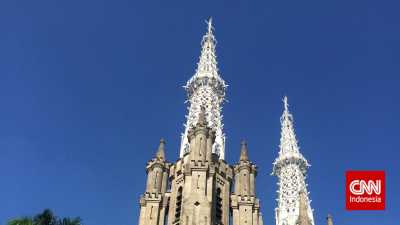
(206, 89)
(291, 169)
(288, 137)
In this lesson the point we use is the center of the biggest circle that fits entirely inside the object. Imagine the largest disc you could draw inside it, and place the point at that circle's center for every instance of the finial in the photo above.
(244, 155)
(161, 152)
(209, 25)
(285, 103)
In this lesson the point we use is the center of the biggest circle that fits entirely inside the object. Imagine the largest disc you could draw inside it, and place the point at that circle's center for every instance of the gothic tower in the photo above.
(197, 188)
(200, 181)
(291, 169)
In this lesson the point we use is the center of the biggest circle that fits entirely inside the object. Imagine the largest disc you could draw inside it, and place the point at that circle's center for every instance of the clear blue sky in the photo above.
(87, 88)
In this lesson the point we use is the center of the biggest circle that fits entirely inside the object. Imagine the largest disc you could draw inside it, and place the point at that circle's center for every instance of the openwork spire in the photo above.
(206, 89)
(288, 143)
(207, 65)
(293, 204)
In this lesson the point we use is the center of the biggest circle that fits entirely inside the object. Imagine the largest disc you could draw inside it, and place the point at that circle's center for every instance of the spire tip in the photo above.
(209, 25)
(285, 103)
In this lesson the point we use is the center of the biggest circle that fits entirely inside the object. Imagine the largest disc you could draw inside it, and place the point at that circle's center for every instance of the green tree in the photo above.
(47, 217)
(21, 221)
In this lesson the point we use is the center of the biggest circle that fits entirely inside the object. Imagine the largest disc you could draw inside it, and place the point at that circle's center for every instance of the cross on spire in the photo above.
(209, 25)
(285, 103)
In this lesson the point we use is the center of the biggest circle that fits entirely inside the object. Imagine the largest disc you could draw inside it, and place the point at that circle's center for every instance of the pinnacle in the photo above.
(161, 150)
(329, 219)
(302, 203)
(244, 156)
(303, 216)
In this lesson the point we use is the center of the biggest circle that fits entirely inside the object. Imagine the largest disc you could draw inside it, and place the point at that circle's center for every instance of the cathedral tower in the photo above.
(200, 181)
(291, 169)
(197, 188)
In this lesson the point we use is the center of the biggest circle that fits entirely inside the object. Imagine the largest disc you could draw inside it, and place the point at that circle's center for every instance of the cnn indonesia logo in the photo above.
(365, 190)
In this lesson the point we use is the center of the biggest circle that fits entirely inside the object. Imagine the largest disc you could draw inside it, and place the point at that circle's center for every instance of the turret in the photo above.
(245, 204)
(245, 173)
(157, 171)
(154, 202)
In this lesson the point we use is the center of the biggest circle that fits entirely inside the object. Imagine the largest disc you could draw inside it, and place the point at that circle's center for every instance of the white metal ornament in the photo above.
(291, 169)
(206, 89)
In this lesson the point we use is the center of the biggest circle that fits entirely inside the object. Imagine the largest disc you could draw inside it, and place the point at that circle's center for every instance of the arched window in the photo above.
(218, 207)
(178, 206)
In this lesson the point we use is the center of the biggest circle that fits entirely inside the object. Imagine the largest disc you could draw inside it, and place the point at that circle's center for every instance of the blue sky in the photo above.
(87, 88)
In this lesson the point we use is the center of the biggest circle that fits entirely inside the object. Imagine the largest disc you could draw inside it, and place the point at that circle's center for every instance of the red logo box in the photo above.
(365, 190)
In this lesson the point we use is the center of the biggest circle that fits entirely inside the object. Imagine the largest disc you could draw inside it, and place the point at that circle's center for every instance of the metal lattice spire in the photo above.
(288, 138)
(291, 169)
(206, 89)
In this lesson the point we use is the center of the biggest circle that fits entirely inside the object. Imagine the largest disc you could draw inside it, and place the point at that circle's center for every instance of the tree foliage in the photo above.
(47, 217)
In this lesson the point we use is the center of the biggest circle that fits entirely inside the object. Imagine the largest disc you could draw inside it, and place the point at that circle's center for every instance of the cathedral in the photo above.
(200, 187)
